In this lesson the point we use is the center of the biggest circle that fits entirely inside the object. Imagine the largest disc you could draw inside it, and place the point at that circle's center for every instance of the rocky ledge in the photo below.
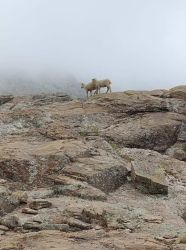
(106, 173)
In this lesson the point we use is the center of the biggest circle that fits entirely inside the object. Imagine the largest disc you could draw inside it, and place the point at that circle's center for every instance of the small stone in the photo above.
(97, 227)
(168, 236)
(4, 228)
(153, 219)
(32, 226)
(39, 204)
(2, 232)
(182, 240)
(2, 181)
(60, 227)
(29, 211)
(75, 223)
(128, 230)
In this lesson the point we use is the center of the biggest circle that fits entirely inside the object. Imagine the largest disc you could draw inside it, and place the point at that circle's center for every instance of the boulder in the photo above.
(147, 174)
(157, 131)
(10, 221)
(161, 166)
(102, 170)
(149, 180)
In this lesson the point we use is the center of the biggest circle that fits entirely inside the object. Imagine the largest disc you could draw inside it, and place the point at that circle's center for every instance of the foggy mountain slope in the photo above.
(25, 84)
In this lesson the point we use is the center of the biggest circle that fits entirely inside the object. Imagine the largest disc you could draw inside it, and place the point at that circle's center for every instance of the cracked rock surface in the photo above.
(105, 173)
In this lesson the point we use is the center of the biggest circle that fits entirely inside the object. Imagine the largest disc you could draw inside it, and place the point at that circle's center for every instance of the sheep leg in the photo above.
(107, 90)
(110, 90)
(96, 92)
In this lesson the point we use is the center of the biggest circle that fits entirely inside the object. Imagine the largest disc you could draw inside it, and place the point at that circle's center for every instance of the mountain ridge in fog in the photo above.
(20, 84)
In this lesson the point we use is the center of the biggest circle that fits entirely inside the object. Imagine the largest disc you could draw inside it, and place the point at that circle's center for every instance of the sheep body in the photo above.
(106, 83)
(89, 87)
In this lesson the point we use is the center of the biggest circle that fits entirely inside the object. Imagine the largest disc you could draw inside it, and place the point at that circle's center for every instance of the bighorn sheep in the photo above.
(102, 84)
(90, 87)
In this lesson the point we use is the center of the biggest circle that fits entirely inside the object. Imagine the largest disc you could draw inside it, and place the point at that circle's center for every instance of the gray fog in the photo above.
(57, 44)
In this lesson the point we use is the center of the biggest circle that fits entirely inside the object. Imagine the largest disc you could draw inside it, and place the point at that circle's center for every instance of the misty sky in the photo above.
(138, 44)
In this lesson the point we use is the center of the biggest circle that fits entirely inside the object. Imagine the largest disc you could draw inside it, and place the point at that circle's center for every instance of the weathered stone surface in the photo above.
(2, 181)
(149, 180)
(7, 202)
(184, 215)
(73, 187)
(156, 92)
(60, 227)
(102, 170)
(153, 219)
(2, 232)
(132, 103)
(32, 226)
(159, 165)
(182, 133)
(10, 221)
(56, 131)
(178, 92)
(39, 204)
(90, 239)
(4, 191)
(29, 211)
(181, 246)
(146, 175)
(7, 245)
(75, 223)
(4, 228)
(5, 99)
(40, 193)
(71, 153)
(177, 151)
(20, 196)
(45, 226)
(182, 239)
(50, 98)
(157, 131)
